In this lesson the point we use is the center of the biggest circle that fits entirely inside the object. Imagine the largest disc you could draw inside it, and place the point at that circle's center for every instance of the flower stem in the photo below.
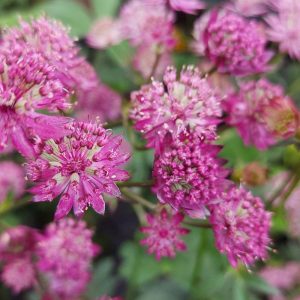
(155, 65)
(197, 224)
(291, 188)
(147, 183)
(136, 198)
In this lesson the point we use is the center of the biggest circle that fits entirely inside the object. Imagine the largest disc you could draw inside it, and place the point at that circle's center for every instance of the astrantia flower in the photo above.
(234, 44)
(65, 253)
(188, 175)
(283, 27)
(29, 83)
(79, 167)
(249, 7)
(175, 106)
(145, 58)
(261, 113)
(104, 33)
(187, 6)
(163, 234)
(147, 24)
(19, 274)
(241, 226)
(17, 249)
(98, 102)
(11, 179)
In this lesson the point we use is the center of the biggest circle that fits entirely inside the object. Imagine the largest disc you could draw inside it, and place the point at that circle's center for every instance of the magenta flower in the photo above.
(29, 83)
(241, 226)
(147, 24)
(163, 234)
(65, 253)
(189, 175)
(261, 113)
(234, 44)
(100, 102)
(17, 246)
(249, 8)
(283, 27)
(175, 106)
(79, 167)
(12, 179)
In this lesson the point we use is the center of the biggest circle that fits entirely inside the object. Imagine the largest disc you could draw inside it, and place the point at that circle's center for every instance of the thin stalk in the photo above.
(197, 224)
(293, 185)
(155, 65)
(136, 198)
(147, 183)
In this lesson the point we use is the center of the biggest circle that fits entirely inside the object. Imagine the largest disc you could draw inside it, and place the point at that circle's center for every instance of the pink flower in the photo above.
(163, 234)
(11, 180)
(145, 58)
(17, 248)
(104, 33)
(189, 175)
(261, 113)
(65, 253)
(175, 106)
(282, 277)
(98, 102)
(79, 167)
(249, 8)
(283, 27)
(241, 226)
(147, 24)
(19, 275)
(187, 6)
(29, 83)
(234, 44)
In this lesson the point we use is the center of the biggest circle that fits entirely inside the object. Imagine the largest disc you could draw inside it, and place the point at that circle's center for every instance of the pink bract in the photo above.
(261, 113)
(187, 6)
(241, 226)
(175, 106)
(79, 168)
(163, 234)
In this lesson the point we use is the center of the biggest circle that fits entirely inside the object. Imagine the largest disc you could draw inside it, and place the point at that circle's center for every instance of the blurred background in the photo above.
(124, 268)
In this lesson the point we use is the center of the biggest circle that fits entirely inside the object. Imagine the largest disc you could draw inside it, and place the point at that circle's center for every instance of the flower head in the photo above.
(283, 27)
(189, 175)
(234, 44)
(261, 113)
(241, 226)
(99, 102)
(11, 179)
(65, 252)
(147, 24)
(175, 106)
(163, 234)
(80, 167)
(29, 83)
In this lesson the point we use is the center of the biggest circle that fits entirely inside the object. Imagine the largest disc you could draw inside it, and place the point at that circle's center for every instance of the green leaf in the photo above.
(71, 13)
(259, 285)
(103, 282)
(105, 8)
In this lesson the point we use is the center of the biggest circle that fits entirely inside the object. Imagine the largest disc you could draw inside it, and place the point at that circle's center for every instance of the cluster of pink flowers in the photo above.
(262, 113)
(163, 234)
(175, 106)
(61, 256)
(234, 44)
(80, 167)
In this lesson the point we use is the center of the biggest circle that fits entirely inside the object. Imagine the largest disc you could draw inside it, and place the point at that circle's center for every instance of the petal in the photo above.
(64, 206)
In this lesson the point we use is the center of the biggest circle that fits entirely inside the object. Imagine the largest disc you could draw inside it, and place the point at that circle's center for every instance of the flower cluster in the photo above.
(189, 175)
(234, 44)
(11, 180)
(64, 255)
(80, 167)
(241, 226)
(163, 234)
(261, 113)
(176, 106)
(61, 255)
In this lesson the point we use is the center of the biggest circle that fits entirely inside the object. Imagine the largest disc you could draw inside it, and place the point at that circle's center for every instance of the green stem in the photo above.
(197, 266)
(112, 124)
(291, 188)
(155, 65)
(197, 224)
(136, 198)
(147, 183)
